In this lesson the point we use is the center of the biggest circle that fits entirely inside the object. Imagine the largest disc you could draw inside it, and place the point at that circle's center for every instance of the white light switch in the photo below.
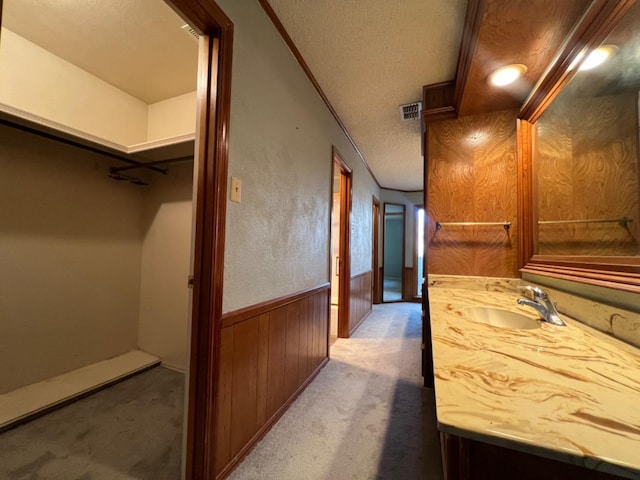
(236, 189)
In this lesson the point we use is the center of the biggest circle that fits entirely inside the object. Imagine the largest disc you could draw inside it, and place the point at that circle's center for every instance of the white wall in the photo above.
(166, 249)
(409, 200)
(281, 133)
(172, 117)
(34, 80)
(70, 250)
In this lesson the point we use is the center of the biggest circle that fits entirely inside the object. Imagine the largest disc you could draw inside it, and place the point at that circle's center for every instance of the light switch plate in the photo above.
(236, 189)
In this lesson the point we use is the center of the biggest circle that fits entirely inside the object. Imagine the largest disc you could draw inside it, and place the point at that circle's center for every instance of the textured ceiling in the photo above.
(135, 45)
(371, 56)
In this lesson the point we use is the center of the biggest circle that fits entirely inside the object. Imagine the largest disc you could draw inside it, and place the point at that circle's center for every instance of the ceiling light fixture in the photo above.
(598, 56)
(507, 74)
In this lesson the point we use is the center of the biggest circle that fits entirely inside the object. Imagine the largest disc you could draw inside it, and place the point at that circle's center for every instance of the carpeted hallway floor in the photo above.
(365, 416)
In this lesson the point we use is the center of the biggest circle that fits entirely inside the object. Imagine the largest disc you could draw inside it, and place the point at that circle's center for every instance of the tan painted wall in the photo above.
(172, 117)
(70, 250)
(281, 135)
(34, 80)
(166, 248)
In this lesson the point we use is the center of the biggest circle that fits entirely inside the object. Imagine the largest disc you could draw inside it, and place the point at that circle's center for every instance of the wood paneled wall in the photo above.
(269, 353)
(361, 302)
(409, 283)
(472, 169)
(587, 169)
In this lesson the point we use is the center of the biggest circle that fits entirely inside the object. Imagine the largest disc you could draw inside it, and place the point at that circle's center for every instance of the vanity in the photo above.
(517, 398)
(530, 400)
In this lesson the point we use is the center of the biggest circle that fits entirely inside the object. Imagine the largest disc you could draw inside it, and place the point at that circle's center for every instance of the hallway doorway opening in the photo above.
(393, 252)
(340, 264)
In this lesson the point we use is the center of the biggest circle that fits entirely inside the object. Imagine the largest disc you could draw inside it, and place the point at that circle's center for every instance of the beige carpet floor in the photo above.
(365, 416)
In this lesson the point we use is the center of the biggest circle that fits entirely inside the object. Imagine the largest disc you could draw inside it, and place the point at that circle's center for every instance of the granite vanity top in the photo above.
(569, 393)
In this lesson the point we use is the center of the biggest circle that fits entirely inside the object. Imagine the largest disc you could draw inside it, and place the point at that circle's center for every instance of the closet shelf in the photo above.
(156, 150)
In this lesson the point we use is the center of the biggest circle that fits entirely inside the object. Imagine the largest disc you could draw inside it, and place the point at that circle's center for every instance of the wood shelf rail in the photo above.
(505, 225)
(623, 221)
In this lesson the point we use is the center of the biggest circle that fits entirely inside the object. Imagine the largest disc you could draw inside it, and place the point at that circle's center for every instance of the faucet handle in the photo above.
(536, 292)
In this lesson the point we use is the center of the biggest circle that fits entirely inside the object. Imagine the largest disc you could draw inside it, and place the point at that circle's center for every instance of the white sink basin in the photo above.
(501, 318)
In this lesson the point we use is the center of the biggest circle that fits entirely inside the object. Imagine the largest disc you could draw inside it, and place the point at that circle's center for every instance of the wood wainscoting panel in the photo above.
(361, 301)
(409, 284)
(266, 360)
(472, 175)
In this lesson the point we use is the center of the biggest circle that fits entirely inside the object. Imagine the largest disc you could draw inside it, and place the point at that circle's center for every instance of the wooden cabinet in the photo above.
(465, 459)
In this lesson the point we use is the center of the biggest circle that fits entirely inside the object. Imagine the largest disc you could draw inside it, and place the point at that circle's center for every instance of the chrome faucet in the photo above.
(539, 299)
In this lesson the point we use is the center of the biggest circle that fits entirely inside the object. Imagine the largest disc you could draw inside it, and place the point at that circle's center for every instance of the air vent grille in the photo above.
(410, 111)
(191, 32)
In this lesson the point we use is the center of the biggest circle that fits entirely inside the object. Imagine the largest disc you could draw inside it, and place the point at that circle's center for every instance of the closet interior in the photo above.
(97, 128)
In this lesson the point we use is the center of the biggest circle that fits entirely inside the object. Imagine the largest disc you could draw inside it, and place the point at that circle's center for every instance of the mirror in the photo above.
(587, 180)
(579, 156)
(393, 252)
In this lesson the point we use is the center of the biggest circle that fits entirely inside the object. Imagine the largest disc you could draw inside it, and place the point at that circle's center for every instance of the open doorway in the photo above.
(393, 252)
(340, 248)
(375, 253)
(419, 217)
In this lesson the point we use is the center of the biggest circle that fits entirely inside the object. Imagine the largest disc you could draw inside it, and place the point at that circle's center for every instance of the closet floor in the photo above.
(132, 430)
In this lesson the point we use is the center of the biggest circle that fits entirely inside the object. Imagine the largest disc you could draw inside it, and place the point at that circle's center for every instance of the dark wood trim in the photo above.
(404, 242)
(269, 424)
(246, 313)
(375, 253)
(426, 347)
(526, 135)
(621, 273)
(468, 46)
(205, 16)
(214, 103)
(298, 56)
(598, 21)
(438, 102)
(344, 294)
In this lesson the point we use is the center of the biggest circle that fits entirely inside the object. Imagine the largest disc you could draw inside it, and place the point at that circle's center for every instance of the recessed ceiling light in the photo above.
(598, 56)
(507, 74)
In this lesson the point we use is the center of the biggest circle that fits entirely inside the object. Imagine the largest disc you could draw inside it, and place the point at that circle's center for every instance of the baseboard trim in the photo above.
(235, 461)
(56, 392)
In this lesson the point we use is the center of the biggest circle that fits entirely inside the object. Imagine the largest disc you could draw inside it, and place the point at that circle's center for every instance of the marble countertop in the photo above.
(570, 393)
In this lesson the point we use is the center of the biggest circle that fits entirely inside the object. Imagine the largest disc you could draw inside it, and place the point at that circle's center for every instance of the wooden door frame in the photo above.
(375, 251)
(344, 250)
(211, 157)
(404, 243)
(416, 239)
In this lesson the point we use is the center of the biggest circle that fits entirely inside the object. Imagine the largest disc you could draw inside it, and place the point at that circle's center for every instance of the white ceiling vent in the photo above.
(410, 111)
(191, 32)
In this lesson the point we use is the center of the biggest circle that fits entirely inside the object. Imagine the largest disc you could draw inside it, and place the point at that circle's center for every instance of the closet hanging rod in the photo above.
(505, 225)
(157, 163)
(73, 143)
(623, 221)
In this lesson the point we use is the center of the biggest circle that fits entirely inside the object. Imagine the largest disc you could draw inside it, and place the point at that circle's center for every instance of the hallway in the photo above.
(365, 416)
